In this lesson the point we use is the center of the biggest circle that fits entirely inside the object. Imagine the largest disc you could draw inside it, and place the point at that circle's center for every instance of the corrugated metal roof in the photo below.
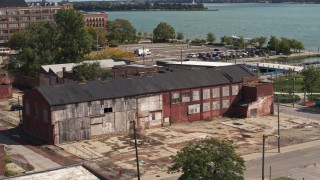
(13, 3)
(98, 90)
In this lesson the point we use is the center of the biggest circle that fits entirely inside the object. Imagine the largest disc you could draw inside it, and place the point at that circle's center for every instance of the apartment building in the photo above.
(15, 15)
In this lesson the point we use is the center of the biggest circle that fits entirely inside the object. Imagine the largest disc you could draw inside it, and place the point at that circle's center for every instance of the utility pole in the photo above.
(181, 59)
(293, 89)
(278, 124)
(143, 54)
(136, 147)
(263, 140)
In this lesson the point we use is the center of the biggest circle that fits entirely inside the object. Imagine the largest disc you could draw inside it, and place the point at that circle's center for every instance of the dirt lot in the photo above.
(110, 154)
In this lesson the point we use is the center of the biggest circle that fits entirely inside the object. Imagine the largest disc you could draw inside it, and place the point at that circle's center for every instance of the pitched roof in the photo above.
(13, 3)
(98, 90)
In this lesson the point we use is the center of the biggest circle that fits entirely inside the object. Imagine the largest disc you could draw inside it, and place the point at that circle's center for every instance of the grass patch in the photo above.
(283, 178)
(285, 84)
(313, 97)
(286, 98)
(8, 173)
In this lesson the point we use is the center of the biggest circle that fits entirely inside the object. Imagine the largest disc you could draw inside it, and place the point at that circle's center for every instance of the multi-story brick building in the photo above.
(17, 14)
(71, 112)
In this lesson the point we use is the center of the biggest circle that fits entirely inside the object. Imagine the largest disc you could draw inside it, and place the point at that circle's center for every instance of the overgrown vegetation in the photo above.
(111, 53)
(91, 71)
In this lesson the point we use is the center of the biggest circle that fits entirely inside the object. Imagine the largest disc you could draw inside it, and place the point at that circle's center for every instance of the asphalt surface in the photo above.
(296, 164)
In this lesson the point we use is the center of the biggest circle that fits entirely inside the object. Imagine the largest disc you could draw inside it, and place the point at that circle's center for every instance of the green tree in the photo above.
(164, 32)
(273, 44)
(226, 40)
(97, 34)
(208, 159)
(210, 37)
(311, 80)
(121, 31)
(74, 39)
(284, 46)
(42, 43)
(259, 41)
(37, 45)
(240, 43)
(180, 35)
(90, 71)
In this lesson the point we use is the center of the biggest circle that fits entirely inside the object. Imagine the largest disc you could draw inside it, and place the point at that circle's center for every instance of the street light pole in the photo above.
(293, 84)
(181, 60)
(136, 147)
(278, 124)
(263, 140)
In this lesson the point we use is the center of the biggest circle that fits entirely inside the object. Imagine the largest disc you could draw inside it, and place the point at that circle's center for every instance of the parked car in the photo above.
(15, 107)
(192, 55)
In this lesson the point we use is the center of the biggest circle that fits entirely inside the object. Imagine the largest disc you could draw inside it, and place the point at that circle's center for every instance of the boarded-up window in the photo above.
(186, 97)
(153, 116)
(225, 91)
(235, 90)
(45, 115)
(206, 94)
(215, 92)
(27, 109)
(195, 95)
(175, 98)
(193, 109)
(206, 107)
(225, 103)
(215, 105)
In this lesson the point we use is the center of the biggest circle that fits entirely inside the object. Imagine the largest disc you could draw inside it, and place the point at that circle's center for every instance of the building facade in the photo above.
(73, 112)
(18, 15)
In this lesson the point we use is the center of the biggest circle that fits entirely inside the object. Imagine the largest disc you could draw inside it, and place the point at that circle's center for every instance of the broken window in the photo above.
(235, 90)
(175, 98)
(195, 95)
(225, 103)
(206, 107)
(108, 110)
(225, 91)
(215, 105)
(215, 92)
(206, 94)
(185, 97)
(193, 109)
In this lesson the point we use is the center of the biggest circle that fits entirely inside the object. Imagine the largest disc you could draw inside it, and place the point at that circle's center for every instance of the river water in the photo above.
(298, 21)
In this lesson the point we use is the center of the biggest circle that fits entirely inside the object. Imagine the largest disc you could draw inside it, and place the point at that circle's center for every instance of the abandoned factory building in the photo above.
(71, 112)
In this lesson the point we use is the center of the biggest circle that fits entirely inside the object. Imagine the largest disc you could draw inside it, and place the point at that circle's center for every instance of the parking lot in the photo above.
(160, 51)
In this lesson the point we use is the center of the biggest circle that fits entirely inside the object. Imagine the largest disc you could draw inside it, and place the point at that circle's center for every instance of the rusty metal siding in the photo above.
(74, 129)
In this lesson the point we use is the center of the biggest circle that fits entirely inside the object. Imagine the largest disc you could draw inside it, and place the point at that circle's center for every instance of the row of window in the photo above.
(36, 11)
(195, 108)
(25, 18)
(24, 24)
(10, 31)
(206, 94)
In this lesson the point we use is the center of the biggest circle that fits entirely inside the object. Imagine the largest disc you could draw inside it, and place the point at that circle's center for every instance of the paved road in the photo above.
(297, 164)
(300, 111)
(38, 161)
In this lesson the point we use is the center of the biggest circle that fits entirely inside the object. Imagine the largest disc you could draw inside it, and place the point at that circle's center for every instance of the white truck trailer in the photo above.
(142, 51)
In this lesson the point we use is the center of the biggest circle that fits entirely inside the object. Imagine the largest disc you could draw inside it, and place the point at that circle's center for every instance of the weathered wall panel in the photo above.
(74, 129)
